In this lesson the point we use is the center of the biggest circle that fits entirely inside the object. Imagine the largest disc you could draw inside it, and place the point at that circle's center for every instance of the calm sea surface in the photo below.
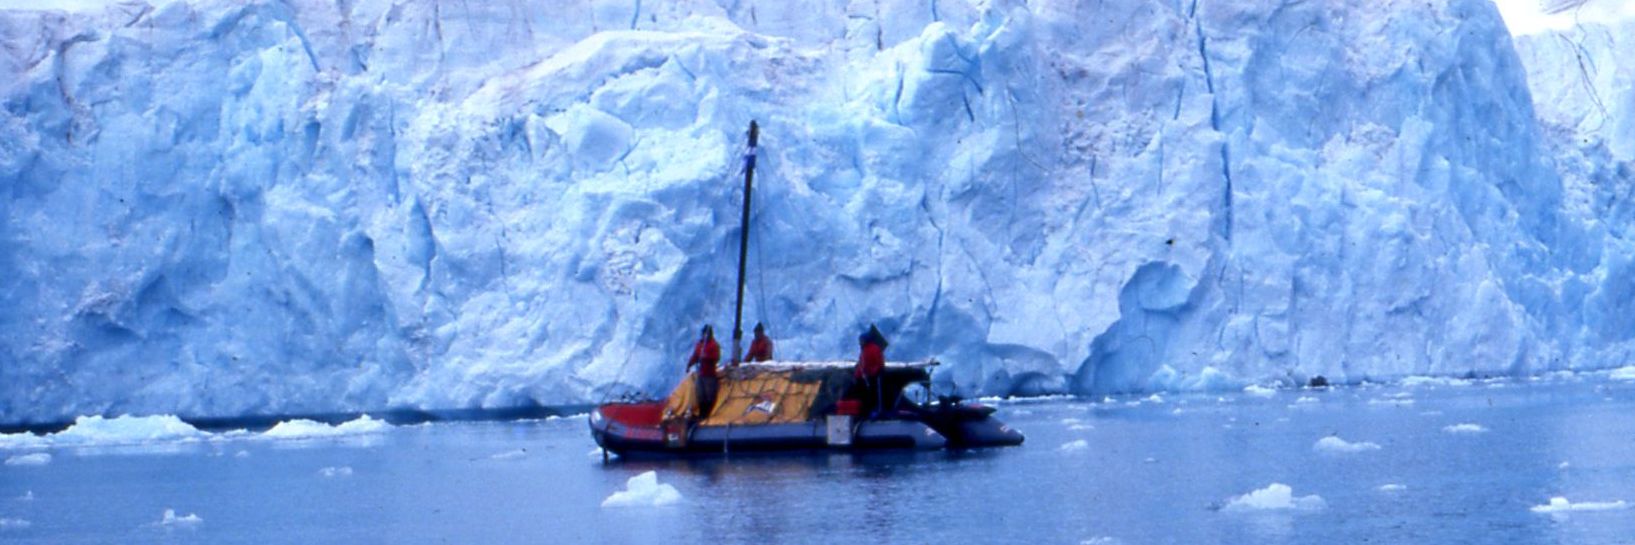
(1147, 471)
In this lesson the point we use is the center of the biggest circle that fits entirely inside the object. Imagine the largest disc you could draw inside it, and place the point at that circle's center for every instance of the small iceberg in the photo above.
(1275, 497)
(1464, 429)
(1259, 391)
(1074, 446)
(644, 490)
(308, 429)
(1559, 504)
(35, 459)
(1332, 444)
(170, 519)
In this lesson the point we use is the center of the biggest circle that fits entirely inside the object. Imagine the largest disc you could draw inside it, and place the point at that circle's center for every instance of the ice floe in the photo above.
(644, 490)
(1259, 391)
(1560, 504)
(308, 429)
(14, 524)
(1074, 446)
(171, 520)
(516, 454)
(1391, 487)
(1466, 428)
(1332, 444)
(35, 459)
(1623, 373)
(1275, 497)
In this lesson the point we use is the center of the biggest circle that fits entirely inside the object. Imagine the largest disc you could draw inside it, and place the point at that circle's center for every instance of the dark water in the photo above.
(1157, 472)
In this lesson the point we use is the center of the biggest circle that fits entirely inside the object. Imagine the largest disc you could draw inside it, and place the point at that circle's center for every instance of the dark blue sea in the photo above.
(1427, 462)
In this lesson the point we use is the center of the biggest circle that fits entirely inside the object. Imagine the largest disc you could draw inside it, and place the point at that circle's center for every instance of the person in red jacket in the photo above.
(760, 349)
(871, 363)
(706, 353)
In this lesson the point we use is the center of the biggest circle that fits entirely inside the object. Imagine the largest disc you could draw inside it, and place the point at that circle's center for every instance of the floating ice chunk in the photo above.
(1275, 497)
(1081, 427)
(14, 524)
(1155, 398)
(332, 472)
(1306, 400)
(27, 496)
(1559, 504)
(1563, 465)
(18, 441)
(35, 459)
(307, 429)
(1102, 540)
(1074, 446)
(1435, 381)
(516, 454)
(644, 490)
(1332, 444)
(1465, 428)
(1623, 373)
(1150, 461)
(171, 520)
(1259, 391)
(1391, 487)
(242, 454)
(1070, 421)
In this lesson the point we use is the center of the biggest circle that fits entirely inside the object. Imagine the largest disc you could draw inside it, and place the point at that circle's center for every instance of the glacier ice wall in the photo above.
(215, 207)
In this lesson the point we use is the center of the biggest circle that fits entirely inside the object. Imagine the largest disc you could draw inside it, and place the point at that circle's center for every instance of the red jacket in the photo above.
(871, 362)
(760, 349)
(705, 355)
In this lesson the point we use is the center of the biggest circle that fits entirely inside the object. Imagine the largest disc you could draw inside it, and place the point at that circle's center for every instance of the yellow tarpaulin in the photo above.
(749, 396)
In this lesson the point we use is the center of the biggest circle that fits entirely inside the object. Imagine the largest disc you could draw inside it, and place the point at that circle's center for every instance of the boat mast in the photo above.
(743, 242)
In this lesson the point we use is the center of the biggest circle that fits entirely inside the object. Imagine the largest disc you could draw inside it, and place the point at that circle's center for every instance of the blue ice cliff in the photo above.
(212, 207)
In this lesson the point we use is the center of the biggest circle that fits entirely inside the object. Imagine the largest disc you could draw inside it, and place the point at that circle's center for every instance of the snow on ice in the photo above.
(1336, 445)
(238, 195)
(644, 490)
(1275, 497)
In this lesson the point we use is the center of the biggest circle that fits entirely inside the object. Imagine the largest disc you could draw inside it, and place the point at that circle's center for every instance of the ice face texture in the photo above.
(215, 208)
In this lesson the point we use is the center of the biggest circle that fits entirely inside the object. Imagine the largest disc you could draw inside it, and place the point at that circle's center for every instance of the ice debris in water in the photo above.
(1334, 444)
(1307, 400)
(644, 490)
(1560, 504)
(1392, 487)
(331, 472)
(1074, 446)
(1259, 391)
(27, 496)
(170, 519)
(35, 459)
(17, 524)
(1275, 497)
(1465, 428)
(307, 429)
(515, 454)
(1623, 373)
(116, 431)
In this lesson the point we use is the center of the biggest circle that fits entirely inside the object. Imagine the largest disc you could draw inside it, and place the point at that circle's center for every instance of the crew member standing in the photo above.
(706, 354)
(760, 349)
(871, 363)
